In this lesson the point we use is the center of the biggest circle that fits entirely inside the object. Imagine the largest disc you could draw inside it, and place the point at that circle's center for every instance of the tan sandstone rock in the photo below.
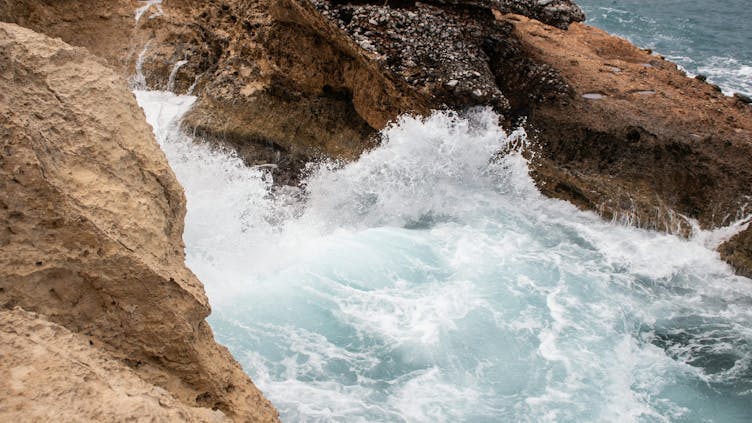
(48, 373)
(91, 220)
(635, 137)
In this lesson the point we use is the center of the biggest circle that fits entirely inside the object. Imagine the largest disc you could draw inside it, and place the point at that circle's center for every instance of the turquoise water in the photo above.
(431, 282)
(713, 38)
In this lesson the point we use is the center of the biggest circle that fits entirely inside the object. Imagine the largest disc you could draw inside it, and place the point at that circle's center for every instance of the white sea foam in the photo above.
(430, 281)
(731, 74)
(138, 80)
(711, 44)
(174, 73)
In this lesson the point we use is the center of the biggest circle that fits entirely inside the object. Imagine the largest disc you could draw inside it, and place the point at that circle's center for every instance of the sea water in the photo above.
(430, 281)
(712, 38)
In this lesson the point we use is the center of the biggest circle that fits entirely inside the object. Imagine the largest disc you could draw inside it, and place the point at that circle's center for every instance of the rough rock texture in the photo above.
(91, 220)
(437, 51)
(106, 28)
(635, 139)
(48, 373)
(738, 252)
(288, 87)
(284, 84)
(559, 13)
(619, 131)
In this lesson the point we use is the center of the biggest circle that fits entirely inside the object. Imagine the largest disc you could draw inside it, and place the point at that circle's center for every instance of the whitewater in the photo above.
(430, 281)
(713, 39)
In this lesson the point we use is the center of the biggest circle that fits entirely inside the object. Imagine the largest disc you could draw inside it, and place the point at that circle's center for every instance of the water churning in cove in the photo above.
(430, 281)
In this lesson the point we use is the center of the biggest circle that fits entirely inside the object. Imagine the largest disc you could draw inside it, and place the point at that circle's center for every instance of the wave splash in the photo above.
(701, 37)
(430, 281)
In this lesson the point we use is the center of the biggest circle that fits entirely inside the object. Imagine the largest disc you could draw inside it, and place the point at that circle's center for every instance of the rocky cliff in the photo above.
(287, 81)
(616, 129)
(633, 138)
(102, 320)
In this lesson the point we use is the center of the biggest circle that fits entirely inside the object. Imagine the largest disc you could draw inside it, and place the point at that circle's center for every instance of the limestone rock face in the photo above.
(559, 13)
(288, 81)
(288, 86)
(91, 220)
(106, 28)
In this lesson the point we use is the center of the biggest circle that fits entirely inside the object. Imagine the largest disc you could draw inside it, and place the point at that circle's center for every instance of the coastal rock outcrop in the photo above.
(635, 138)
(288, 81)
(93, 286)
(615, 129)
(105, 28)
(738, 252)
(618, 130)
(96, 297)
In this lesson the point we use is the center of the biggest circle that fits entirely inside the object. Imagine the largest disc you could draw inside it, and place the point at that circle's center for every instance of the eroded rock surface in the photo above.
(91, 221)
(619, 130)
(106, 28)
(635, 139)
(616, 129)
(738, 252)
(288, 81)
(48, 373)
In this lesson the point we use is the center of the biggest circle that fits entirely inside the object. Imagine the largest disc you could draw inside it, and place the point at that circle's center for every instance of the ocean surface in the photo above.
(712, 38)
(431, 282)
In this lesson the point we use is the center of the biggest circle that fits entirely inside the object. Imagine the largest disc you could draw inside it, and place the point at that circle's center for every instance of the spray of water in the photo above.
(137, 81)
(148, 5)
(174, 73)
(430, 281)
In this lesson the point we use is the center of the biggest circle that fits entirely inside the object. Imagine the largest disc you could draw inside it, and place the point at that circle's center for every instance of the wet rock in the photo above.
(287, 81)
(738, 252)
(428, 45)
(559, 13)
(716, 87)
(743, 98)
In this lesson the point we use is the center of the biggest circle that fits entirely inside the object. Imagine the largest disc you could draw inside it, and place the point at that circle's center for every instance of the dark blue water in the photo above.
(713, 38)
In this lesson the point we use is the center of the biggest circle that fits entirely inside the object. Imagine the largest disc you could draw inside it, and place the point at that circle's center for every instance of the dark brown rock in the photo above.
(738, 252)
(652, 148)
